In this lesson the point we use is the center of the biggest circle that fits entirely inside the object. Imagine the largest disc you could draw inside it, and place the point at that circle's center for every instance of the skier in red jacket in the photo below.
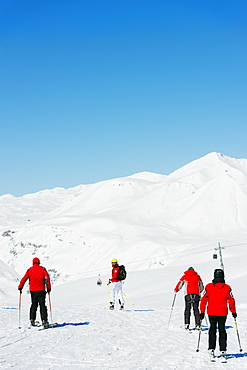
(193, 287)
(39, 280)
(116, 286)
(217, 297)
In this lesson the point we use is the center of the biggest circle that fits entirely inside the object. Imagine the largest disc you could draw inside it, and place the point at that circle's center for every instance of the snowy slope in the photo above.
(8, 280)
(209, 167)
(89, 336)
(18, 211)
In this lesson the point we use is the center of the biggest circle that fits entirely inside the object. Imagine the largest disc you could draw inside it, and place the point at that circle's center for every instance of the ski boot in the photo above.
(211, 355)
(223, 357)
(111, 306)
(45, 324)
(32, 322)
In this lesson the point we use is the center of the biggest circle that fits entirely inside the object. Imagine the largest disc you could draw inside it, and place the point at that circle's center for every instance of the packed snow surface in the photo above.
(157, 226)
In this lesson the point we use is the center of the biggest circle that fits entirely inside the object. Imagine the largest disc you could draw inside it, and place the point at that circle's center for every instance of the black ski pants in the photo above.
(215, 321)
(192, 300)
(38, 298)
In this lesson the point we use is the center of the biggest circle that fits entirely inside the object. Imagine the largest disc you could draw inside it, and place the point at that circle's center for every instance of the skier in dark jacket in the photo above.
(193, 286)
(39, 280)
(217, 297)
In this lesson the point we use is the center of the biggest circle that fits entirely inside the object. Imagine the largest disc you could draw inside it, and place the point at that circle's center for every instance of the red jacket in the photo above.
(192, 282)
(115, 271)
(217, 297)
(38, 278)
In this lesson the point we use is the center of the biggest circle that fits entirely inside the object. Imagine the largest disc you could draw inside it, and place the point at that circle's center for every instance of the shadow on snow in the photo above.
(206, 328)
(138, 310)
(236, 355)
(71, 324)
(9, 308)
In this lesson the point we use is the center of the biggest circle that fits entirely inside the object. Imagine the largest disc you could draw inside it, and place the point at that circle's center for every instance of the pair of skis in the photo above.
(36, 324)
(213, 358)
(49, 326)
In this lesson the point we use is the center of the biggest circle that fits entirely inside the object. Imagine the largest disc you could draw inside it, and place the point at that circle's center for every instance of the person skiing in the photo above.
(116, 286)
(39, 280)
(193, 287)
(217, 297)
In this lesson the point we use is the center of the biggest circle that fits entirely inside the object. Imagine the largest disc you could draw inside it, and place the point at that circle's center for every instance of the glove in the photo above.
(48, 291)
(20, 290)
(202, 315)
(109, 282)
(234, 315)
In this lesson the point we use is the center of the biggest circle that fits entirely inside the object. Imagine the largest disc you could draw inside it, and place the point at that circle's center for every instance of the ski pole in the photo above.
(173, 302)
(20, 310)
(128, 298)
(236, 326)
(108, 286)
(50, 306)
(199, 337)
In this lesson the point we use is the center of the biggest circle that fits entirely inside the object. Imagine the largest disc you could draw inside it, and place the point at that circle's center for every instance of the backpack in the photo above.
(122, 273)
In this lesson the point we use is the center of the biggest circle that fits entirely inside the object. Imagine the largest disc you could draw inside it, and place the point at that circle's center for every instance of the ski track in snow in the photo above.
(97, 338)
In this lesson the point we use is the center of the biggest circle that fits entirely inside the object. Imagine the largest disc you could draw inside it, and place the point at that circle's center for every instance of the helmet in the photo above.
(114, 260)
(219, 273)
(190, 268)
(36, 260)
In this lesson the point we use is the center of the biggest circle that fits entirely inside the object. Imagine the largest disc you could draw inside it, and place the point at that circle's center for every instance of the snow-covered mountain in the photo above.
(157, 226)
(8, 281)
(145, 219)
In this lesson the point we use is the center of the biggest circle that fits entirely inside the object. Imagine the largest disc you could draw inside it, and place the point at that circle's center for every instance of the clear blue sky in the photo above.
(93, 90)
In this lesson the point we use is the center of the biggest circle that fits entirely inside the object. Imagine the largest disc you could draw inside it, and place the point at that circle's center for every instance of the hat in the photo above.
(190, 268)
(114, 260)
(219, 273)
(36, 260)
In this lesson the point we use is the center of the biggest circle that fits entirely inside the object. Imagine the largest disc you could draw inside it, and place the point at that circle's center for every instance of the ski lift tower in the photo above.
(220, 253)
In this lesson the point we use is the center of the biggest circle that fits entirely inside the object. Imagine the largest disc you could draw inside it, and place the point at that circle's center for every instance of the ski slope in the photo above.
(94, 338)
(90, 336)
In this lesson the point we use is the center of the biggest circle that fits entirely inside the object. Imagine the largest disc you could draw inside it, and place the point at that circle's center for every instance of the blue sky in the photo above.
(93, 90)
